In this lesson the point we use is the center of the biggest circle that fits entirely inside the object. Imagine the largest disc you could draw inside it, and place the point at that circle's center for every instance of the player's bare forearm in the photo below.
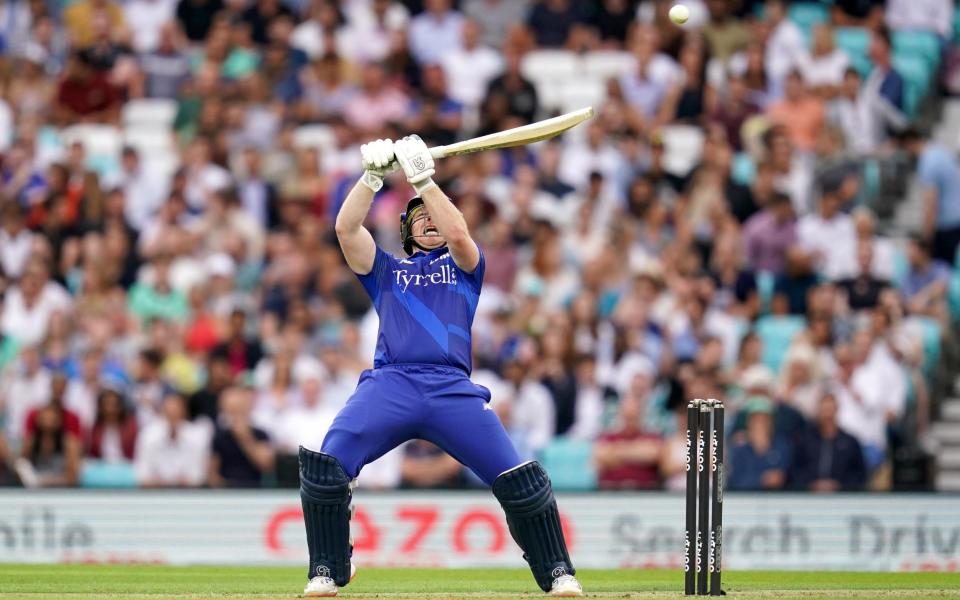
(357, 244)
(449, 221)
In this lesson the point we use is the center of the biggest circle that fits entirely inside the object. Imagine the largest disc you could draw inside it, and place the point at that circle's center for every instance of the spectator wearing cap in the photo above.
(759, 381)
(758, 458)
(171, 451)
(938, 171)
(241, 454)
(113, 436)
(768, 234)
(627, 456)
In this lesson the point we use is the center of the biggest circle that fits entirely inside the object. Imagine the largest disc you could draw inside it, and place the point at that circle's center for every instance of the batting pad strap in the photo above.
(527, 499)
(325, 496)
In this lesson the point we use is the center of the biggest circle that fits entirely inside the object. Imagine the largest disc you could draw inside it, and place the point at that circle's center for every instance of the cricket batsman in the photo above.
(419, 387)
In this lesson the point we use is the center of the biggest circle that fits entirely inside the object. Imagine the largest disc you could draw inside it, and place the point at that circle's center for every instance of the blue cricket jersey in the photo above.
(426, 305)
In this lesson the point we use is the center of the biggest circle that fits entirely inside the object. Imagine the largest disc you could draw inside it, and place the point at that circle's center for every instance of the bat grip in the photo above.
(438, 152)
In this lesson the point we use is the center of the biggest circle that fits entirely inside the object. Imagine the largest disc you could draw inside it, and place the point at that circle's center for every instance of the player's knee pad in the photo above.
(527, 499)
(325, 495)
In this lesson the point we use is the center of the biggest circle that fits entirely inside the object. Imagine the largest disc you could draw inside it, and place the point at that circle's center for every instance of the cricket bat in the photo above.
(518, 136)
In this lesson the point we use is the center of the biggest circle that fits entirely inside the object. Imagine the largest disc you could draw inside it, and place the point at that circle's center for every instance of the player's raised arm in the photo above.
(414, 156)
(357, 244)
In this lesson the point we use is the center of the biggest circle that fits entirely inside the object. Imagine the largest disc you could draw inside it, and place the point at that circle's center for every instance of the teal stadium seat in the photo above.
(806, 15)
(916, 73)
(953, 296)
(855, 41)
(99, 474)
(776, 333)
(743, 170)
(765, 284)
(570, 465)
(924, 44)
(931, 343)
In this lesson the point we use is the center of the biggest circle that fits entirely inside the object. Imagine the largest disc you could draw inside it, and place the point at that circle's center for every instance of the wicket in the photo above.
(704, 529)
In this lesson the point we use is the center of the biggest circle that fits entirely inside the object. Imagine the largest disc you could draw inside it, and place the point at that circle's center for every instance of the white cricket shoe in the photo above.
(324, 587)
(566, 586)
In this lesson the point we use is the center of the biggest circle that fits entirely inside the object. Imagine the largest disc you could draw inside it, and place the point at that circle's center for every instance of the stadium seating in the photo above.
(776, 333)
(102, 144)
(932, 341)
(855, 41)
(917, 73)
(808, 14)
(101, 474)
(765, 283)
(570, 465)
(154, 113)
(924, 44)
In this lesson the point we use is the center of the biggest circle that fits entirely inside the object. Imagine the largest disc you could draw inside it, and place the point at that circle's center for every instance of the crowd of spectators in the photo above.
(194, 322)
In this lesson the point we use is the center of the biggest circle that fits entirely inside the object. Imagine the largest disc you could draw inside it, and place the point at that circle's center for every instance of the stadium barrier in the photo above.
(895, 532)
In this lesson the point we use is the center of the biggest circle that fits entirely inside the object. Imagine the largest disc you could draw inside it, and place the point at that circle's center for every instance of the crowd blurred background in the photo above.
(759, 213)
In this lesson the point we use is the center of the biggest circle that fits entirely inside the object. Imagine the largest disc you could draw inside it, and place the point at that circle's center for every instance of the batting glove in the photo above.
(378, 161)
(414, 156)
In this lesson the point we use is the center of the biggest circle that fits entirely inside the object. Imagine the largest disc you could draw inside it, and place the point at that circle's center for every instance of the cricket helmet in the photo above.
(406, 223)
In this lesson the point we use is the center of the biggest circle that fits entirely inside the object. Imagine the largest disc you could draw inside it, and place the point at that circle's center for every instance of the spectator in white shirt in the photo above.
(862, 405)
(823, 67)
(471, 68)
(921, 15)
(305, 423)
(435, 32)
(595, 153)
(532, 411)
(145, 18)
(203, 175)
(30, 305)
(27, 387)
(144, 192)
(172, 451)
(81, 394)
(830, 237)
(15, 241)
(786, 45)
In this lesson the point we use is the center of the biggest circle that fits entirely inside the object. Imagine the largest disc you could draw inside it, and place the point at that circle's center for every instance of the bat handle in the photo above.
(438, 152)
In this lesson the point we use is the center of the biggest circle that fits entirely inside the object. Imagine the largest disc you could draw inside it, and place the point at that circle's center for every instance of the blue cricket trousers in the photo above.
(396, 403)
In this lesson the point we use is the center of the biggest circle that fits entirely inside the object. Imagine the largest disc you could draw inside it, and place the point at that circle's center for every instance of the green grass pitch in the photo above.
(89, 582)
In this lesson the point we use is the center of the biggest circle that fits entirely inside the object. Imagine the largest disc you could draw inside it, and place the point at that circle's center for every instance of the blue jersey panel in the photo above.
(426, 305)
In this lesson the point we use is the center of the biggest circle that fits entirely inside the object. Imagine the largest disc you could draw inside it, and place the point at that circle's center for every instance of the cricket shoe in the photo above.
(566, 586)
(324, 587)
